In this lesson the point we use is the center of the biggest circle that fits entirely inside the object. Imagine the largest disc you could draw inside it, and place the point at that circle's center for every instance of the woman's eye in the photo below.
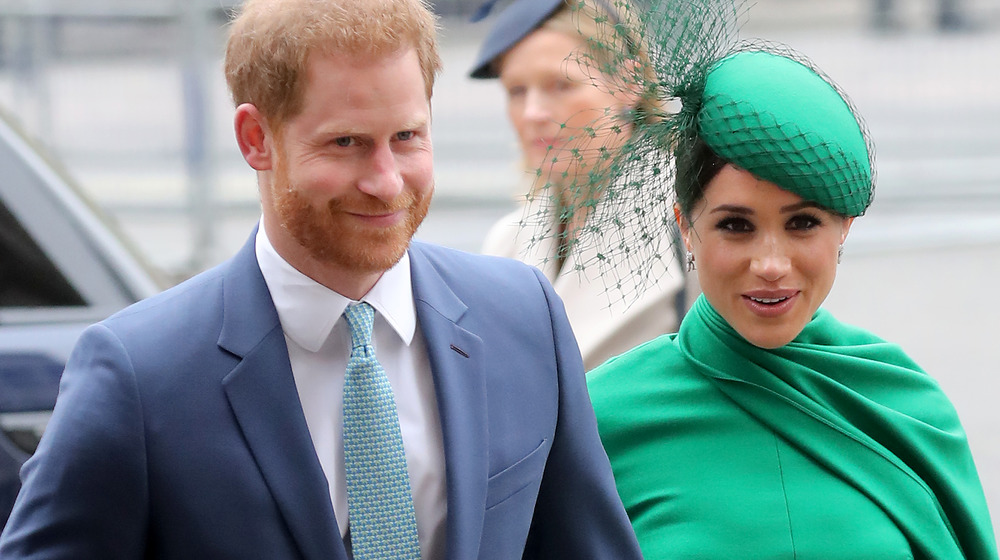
(803, 222)
(405, 135)
(735, 225)
(562, 85)
(515, 92)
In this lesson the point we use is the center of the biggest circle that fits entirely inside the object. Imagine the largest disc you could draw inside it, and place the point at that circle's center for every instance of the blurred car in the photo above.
(62, 267)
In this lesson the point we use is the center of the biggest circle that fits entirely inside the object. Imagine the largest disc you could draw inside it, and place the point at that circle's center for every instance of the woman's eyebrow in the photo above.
(800, 206)
(737, 209)
(733, 208)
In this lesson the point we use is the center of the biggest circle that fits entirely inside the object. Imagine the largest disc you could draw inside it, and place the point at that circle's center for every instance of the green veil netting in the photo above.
(755, 103)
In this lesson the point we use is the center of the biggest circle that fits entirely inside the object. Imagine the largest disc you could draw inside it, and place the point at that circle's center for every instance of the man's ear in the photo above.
(254, 137)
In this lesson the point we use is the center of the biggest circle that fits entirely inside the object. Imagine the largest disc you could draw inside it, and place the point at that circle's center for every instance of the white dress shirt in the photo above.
(319, 345)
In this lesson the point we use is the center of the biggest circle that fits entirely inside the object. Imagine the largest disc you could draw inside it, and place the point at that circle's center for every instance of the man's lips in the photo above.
(380, 219)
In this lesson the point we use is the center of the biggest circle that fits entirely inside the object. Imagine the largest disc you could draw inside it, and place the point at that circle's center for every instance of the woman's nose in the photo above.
(772, 262)
(536, 106)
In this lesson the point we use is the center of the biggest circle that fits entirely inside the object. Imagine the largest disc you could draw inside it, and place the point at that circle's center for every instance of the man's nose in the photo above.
(382, 179)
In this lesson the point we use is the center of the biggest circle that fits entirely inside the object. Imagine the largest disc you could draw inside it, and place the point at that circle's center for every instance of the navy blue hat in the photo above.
(514, 23)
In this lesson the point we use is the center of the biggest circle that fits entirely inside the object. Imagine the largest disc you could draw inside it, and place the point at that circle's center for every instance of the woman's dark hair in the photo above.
(695, 170)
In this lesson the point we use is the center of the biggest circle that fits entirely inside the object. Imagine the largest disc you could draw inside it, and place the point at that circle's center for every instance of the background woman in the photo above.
(766, 428)
(570, 109)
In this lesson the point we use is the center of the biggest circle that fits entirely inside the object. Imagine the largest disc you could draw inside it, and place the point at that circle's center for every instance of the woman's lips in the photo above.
(544, 143)
(771, 303)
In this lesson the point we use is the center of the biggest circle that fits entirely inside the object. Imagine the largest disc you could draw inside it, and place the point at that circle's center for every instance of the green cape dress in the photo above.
(836, 445)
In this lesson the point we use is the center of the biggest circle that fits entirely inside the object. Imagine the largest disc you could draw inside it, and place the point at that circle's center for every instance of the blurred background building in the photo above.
(128, 96)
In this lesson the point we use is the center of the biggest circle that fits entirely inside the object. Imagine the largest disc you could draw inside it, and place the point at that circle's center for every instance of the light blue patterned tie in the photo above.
(382, 519)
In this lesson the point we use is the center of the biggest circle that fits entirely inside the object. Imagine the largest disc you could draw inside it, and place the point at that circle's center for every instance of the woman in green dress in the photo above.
(766, 428)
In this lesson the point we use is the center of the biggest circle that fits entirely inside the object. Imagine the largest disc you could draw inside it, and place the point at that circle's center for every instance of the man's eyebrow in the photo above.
(419, 122)
(335, 130)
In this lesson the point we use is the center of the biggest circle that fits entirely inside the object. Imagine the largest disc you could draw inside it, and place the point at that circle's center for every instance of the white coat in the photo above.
(606, 320)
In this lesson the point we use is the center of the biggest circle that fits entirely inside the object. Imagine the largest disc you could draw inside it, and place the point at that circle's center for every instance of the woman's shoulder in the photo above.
(500, 240)
(825, 330)
(825, 327)
(661, 348)
(635, 370)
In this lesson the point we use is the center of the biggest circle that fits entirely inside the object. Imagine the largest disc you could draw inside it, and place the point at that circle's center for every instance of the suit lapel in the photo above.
(455, 358)
(263, 397)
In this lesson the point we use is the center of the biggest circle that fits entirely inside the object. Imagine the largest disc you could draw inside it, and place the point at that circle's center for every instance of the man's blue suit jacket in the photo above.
(178, 432)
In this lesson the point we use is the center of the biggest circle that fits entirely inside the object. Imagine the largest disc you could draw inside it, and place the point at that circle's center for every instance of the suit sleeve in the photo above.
(84, 493)
(579, 514)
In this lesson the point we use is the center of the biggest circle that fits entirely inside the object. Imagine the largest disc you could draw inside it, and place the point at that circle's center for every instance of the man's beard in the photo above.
(331, 236)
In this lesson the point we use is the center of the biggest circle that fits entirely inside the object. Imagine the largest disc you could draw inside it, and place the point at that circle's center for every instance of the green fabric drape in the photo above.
(851, 405)
(860, 407)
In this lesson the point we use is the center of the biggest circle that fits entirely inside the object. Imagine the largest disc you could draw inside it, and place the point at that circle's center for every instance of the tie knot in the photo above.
(360, 319)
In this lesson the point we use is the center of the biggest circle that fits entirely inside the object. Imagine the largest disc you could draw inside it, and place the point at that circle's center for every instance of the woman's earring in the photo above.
(690, 261)
(840, 253)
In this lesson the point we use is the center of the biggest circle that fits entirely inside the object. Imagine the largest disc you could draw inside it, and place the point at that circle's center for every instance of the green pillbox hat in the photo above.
(782, 121)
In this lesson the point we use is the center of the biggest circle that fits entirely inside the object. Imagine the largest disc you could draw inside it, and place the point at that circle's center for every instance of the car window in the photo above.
(58, 257)
(28, 278)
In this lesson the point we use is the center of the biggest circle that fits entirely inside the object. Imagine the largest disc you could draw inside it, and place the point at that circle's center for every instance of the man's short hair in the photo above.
(270, 43)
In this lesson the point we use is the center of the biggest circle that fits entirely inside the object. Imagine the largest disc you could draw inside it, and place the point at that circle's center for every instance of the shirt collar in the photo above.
(308, 310)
